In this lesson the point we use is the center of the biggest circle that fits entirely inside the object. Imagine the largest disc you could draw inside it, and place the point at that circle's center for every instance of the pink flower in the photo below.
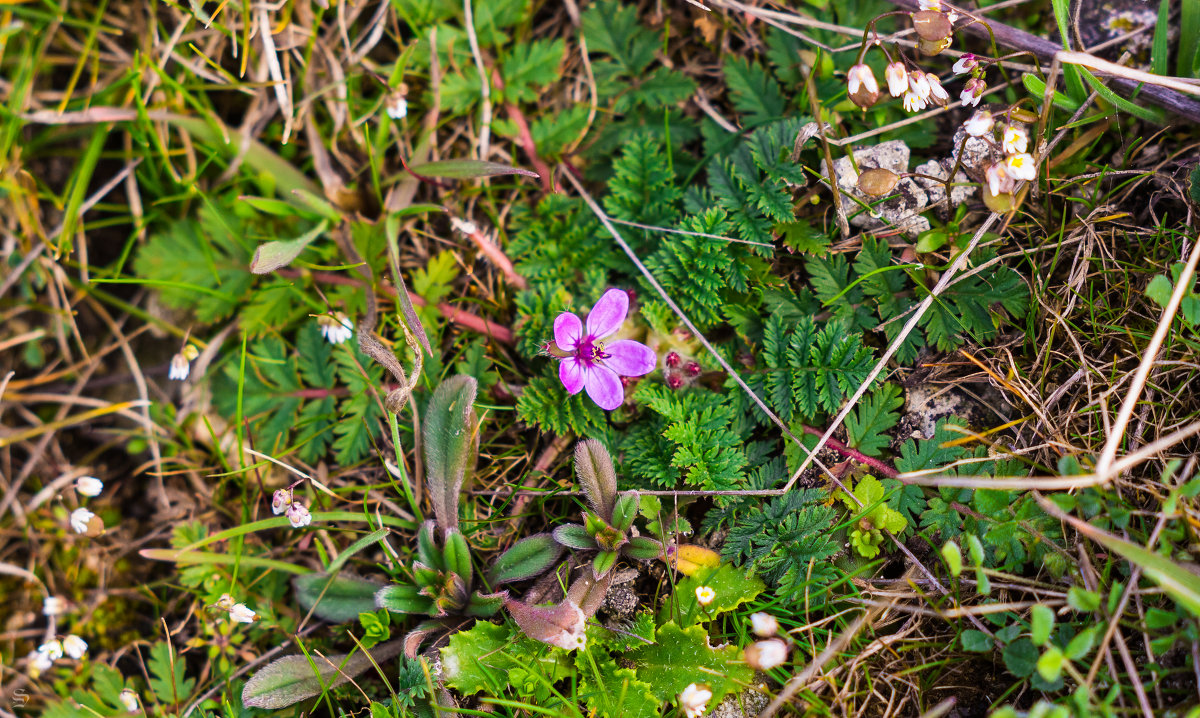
(588, 363)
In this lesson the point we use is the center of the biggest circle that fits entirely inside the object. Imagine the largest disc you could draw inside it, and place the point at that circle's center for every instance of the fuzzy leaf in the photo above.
(401, 598)
(642, 548)
(292, 679)
(527, 558)
(451, 440)
(597, 478)
(280, 253)
(574, 536)
(467, 169)
(342, 598)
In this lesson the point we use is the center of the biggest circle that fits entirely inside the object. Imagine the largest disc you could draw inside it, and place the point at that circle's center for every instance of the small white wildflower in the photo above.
(705, 595)
(765, 655)
(980, 123)
(80, 519)
(998, 179)
(280, 501)
(1016, 140)
(931, 5)
(397, 108)
(764, 624)
(965, 64)
(241, 614)
(1022, 167)
(861, 85)
(897, 78)
(75, 646)
(335, 329)
(53, 606)
(89, 485)
(918, 84)
(53, 649)
(972, 92)
(39, 662)
(225, 602)
(180, 368)
(936, 91)
(298, 516)
(129, 699)
(912, 102)
(694, 700)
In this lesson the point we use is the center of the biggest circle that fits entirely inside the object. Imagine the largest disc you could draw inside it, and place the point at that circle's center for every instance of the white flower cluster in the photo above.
(82, 520)
(282, 502)
(1017, 165)
(72, 646)
(335, 328)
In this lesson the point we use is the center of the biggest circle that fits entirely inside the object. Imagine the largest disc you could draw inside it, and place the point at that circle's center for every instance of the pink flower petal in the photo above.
(606, 317)
(629, 358)
(572, 373)
(567, 330)
(604, 387)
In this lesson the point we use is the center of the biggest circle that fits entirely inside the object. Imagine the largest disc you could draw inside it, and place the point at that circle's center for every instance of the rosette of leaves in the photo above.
(608, 523)
(443, 576)
(874, 516)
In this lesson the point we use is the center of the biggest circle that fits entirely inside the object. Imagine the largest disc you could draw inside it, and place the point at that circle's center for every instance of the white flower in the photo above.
(897, 78)
(53, 606)
(335, 329)
(965, 64)
(705, 595)
(1022, 167)
(397, 108)
(972, 92)
(765, 655)
(912, 102)
(764, 624)
(298, 516)
(694, 700)
(918, 84)
(129, 699)
(39, 662)
(998, 179)
(74, 646)
(936, 91)
(180, 368)
(80, 518)
(241, 614)
(931, 4)
(861, 77)
(280, 500)
(1016, 140)
(52, 649)
(89, 485)
(225, 602)
(980, 123)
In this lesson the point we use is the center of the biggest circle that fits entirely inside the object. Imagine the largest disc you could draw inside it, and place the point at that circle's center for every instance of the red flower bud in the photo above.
(673, 360)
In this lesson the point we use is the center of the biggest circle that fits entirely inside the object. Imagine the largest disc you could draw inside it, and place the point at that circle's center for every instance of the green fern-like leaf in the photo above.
(642, 188)
(754, 92)
(819, 366)
(544, 403)
(873, 416)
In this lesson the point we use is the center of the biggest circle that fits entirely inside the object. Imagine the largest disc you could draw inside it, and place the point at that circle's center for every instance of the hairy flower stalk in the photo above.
(592, 364)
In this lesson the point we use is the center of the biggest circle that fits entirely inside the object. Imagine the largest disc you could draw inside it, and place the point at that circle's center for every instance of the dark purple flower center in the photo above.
(590, 351)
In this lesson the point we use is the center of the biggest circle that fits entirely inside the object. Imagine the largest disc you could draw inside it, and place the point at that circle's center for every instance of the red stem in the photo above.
(453, 314)
(886, 469)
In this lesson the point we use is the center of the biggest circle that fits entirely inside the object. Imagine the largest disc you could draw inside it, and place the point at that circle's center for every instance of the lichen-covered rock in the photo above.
(747, 704)
(977, 154)
(900, 209)
(962, 190)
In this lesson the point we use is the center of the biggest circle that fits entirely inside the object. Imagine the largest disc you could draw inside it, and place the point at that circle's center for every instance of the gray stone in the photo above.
(747, 704)
(901, 209)
(937, 190)
(978, 153)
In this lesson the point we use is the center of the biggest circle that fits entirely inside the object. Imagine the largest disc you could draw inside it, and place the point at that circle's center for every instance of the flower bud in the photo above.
(965, 64)
(765, 655)
(129, 699)
(674, 380)
(972, 92)
(764, 625)
(877, 182)
(694, 700)
(673, 360)
(980, 124)
(692, 369)
(74, 646)
(298, 515)
(89, 486)
(280, 501)
(861, 86)
(897, 78)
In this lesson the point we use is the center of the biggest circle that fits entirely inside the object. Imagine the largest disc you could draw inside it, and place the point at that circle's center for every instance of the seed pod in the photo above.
(932, 25)
(931, 48)
(877, 182)
(1020, 114)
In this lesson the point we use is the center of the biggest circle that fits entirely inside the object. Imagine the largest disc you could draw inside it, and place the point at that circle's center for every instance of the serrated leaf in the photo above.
(873, 416)
(168, 677)
(489, 657)
(754, 92)
(679, 656)
(732, 587)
